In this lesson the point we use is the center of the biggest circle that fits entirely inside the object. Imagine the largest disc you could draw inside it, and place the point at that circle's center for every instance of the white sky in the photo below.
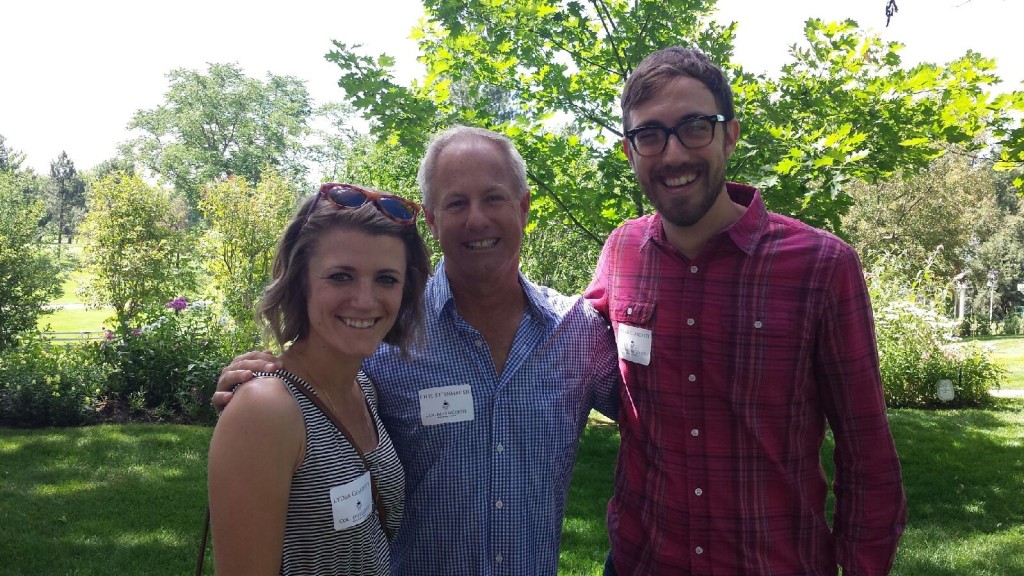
(73, 72)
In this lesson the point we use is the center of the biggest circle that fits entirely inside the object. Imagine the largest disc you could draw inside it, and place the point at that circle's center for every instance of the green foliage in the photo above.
(553, 63)
(846, 109)
(941, 215)
(29, 275)
(916, 345)
(136, 247)
(222, 123)
(47, 384)
(172, 362)
(245, 223)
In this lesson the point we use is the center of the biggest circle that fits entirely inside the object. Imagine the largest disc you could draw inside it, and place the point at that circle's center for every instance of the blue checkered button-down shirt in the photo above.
(487, 496)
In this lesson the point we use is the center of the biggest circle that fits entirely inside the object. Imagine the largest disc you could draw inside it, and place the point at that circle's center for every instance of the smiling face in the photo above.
(476, 213)
(355, 283)
(683, 185)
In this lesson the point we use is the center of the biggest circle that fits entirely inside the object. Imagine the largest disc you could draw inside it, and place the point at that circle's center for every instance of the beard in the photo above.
(685, 212)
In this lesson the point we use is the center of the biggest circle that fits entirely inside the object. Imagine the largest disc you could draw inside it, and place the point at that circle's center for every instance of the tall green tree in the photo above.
(137, 248)
(844, 108)
(29, 275)
(245, 224)
(66, 205)
(937, 218)
(222, 123)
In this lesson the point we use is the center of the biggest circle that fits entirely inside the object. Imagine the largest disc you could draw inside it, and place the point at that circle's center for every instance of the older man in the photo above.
(486, 416)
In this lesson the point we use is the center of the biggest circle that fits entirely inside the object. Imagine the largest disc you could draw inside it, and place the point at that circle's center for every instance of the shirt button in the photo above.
(698, 491)
(479, 343)
(689, 321)
(694, 432)
(757, 324)
(499, 504)
(629, 311)
(500, 448)
(692, 378)
(498, 558)
(693, 269)
(699, 550)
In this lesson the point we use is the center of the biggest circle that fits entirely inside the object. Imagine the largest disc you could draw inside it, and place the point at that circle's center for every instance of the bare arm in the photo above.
(256, 446)
(239, 372)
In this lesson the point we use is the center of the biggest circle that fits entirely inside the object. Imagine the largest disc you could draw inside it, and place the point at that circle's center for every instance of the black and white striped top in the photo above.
(312, 546)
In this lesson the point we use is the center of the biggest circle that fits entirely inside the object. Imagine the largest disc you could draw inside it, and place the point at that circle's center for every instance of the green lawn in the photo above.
(76, 320)
(1008, 351)
(129, 499)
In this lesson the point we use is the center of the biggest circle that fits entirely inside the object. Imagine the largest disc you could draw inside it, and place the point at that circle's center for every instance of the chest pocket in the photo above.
(639, 313)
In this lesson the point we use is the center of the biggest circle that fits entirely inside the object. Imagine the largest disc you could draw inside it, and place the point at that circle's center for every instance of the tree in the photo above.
(220, 124)
(29, 276)
(936, 218)
(136, 247)
(245, 224)
(66, 204)
(843, 109)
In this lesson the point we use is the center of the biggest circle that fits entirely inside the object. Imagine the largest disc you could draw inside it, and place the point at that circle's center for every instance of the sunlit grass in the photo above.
(130, 499)
(76, 320)
(1008, 352)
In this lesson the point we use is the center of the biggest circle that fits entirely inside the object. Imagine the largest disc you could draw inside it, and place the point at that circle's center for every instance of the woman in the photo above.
(291, 492)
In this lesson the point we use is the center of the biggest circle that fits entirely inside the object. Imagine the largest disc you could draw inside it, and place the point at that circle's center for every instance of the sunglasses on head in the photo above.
(349, 197)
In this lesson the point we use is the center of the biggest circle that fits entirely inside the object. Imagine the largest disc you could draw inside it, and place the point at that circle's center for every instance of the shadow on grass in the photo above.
(102, 500)
(962, 471)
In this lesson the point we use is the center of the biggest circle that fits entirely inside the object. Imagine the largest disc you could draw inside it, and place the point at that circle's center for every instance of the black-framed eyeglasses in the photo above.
(350, 197)
(693, 133)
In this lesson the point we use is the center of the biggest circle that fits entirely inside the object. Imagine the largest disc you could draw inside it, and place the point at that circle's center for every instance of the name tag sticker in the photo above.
(634, 344)
(352, 502)
(446, 405)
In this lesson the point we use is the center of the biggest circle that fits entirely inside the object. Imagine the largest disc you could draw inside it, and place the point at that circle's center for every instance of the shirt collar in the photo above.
(745, 233)
(439, 296)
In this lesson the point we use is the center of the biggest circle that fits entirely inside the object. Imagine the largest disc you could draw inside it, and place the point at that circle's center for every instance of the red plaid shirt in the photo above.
(755, 343)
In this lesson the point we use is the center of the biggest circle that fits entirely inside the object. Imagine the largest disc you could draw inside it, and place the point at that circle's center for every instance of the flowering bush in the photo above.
(916, 344)
(171, 362)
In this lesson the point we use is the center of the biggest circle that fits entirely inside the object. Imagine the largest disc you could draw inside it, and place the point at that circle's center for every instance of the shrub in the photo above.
(46, 384)
(916, 343)
(171, 363)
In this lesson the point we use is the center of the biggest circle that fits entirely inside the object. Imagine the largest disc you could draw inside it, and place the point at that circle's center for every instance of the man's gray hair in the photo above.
(428, 166)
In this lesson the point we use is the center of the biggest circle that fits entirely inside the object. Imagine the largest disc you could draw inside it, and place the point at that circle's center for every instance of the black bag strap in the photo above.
(202, 544)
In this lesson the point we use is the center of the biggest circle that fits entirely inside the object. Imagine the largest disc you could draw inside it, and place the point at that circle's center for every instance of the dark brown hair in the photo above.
(664, 66)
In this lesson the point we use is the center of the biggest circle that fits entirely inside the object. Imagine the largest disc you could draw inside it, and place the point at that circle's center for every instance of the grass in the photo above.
(129, 499)
(117, 499)
(76, 320)
(71, 317)
(1008, 351)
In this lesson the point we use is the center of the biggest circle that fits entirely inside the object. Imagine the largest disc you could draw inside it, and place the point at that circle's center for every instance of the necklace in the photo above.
(329, 401)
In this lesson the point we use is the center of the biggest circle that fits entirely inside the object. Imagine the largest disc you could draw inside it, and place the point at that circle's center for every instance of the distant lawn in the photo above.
(1008, 351)
(129, 499)
(76, 320)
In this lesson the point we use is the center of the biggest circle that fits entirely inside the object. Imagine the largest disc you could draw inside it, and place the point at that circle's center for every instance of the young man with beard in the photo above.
(741, 334)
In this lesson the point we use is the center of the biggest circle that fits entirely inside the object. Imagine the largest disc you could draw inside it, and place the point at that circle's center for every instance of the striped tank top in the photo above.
(312, 545)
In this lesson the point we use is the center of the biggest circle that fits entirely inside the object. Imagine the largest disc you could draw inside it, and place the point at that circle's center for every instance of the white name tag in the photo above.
(446, 404)
(634, 344)
(352, 502)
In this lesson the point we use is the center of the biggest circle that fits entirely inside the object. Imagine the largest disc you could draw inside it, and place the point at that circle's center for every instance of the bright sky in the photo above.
(75, 72)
